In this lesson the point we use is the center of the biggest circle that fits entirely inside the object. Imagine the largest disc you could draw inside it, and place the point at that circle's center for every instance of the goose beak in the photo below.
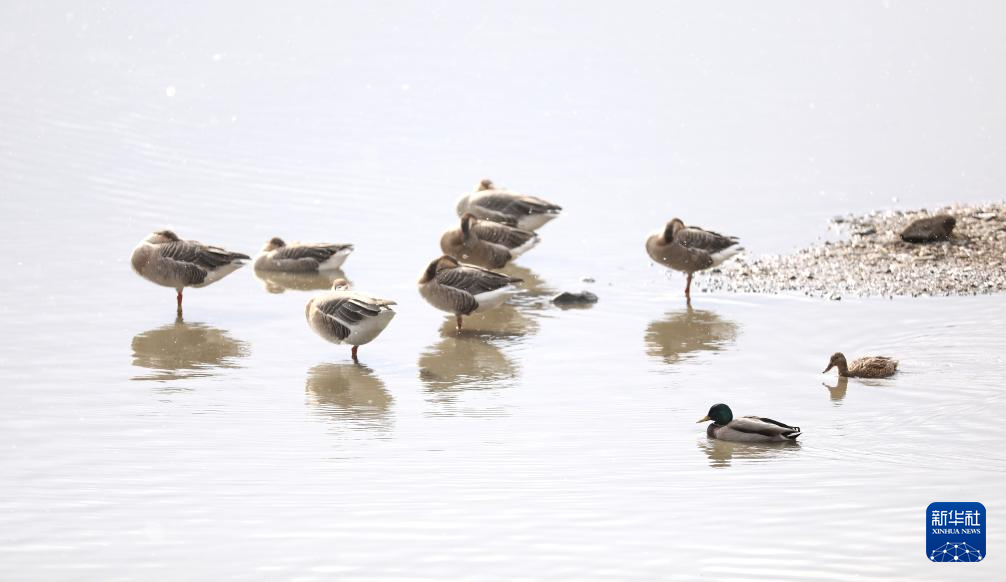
(830, 366)
(703, 419)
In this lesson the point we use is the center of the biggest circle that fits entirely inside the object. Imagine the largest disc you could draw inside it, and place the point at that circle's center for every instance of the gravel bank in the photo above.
(874, 261)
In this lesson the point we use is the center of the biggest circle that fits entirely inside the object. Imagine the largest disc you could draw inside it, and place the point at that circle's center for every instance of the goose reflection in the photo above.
(506, 323)
(185, 350)
(681, 333)
(278, 281)
(837, 392)
(349, 392)
(722, 453)
(465, 361)
(533, 287)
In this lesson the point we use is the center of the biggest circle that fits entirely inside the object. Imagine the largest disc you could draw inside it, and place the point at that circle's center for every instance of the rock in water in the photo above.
(932, 229)
(567, 298)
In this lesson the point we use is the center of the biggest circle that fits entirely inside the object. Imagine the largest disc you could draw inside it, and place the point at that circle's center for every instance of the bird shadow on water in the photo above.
(837, 392)
(349, 394)
(278, 282)
(682, 334)
(722, 453)
(181, 350)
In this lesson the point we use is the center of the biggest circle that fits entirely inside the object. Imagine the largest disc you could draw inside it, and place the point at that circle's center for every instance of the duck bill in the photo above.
(830, 366)
(703, 419)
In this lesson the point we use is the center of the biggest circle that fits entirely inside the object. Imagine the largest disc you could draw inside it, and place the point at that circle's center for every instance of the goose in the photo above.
(932, 229)
(344, 316)
(866, 367)
(296, 257)
(689, 249)
(167, 260)
(491, 203)
(746, 429)
(486, 244)
(461, 289)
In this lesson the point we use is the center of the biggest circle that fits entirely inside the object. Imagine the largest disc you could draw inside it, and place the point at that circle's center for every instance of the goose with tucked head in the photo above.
(689, 249)
(865, 367)
(498, 205)
(486, 244)
(462, 289)
(344, 316)
(746, 429)
(278, 255)
(165, 259)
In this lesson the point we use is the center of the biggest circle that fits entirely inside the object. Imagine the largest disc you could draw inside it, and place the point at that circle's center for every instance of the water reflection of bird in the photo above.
(838, 391)
(722, 453)
(348, 392)
(185, 350)
(689, 249)
(533, 287)
(278, 281)
(464, 361)
(683, 333)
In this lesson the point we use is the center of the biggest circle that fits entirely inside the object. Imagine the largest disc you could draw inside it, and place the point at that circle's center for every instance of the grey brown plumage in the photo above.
(486, 244)
(519, 210)
(277, 255)
(346, 316)
(165, 259)
(932, 229)
(865, 367)
(462, 289)
(689, 248)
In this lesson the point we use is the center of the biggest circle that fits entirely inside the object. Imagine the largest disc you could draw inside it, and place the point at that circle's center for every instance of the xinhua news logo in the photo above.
(955, 532)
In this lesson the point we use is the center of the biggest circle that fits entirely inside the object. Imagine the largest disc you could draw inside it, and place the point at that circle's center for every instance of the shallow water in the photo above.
(541, 442)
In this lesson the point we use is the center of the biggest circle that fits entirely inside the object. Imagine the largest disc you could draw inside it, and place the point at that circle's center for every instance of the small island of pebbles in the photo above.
(874, 261)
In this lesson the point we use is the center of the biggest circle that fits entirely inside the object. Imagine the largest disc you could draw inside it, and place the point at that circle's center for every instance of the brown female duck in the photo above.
(867, 367)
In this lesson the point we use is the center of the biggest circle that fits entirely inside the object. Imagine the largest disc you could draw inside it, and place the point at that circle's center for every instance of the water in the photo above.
(542, 442)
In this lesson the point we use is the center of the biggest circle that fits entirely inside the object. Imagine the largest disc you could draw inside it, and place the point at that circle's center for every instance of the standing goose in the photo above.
(747, 429)
(295, 257)
(461, 289)
(165, 259)
(689, 249)
(497, 205)
(343, 316)
(486, 244)
(867, 367)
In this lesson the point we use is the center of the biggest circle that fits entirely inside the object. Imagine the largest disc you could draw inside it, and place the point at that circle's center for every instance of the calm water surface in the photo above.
(541, 442)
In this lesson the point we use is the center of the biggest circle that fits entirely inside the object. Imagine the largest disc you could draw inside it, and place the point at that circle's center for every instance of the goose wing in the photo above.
(473, 280)
(512, 204)
(502, 234)
(319, 252)
(345, 311)
(764, 426)
(193, 260)
(693, 237)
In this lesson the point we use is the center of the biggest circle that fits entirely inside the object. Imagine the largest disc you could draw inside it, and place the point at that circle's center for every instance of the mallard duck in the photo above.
(932, 229)
(689, 249)
(498, 205)
(746, 429)
(461, 289)
(486, 244)
(867, 367)
(295, 257)
(343, 316)
(167, 260)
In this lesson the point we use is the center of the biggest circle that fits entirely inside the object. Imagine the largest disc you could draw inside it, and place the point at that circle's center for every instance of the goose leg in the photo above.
(688, 288)
(459, 322)
(179, 298)
(355, 359)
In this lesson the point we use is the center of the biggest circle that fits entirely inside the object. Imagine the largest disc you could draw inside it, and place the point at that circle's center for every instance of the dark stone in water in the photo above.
(581, 298)
(932, 229)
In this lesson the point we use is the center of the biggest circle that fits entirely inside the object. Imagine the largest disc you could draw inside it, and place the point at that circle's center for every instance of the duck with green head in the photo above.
(746, 429)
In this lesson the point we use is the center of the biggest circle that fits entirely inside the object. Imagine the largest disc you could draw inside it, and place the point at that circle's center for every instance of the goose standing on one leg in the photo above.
(461, 289)
(746, 429)
(486, 244)
(166, 260)
(295, 257)
(343, 316)
(689, 249)
(498, 205)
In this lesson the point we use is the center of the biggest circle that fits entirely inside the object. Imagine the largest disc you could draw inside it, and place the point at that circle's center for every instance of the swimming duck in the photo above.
(498, 205)
(746, 429)
(461, 289)
(868, 367)
(167, 260)
(689, 249)
(932, 229)
(486, 244)
(343, 316)
(295, 257)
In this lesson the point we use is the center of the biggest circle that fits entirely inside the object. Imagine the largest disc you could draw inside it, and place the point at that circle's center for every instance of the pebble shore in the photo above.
(872, 260)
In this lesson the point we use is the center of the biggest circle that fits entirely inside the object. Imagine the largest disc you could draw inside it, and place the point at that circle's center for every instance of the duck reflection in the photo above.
(349, 392)
(681, 333)
(464, 361)
(185, 350)
(722, 453)
(278, 281)
(837, 392)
